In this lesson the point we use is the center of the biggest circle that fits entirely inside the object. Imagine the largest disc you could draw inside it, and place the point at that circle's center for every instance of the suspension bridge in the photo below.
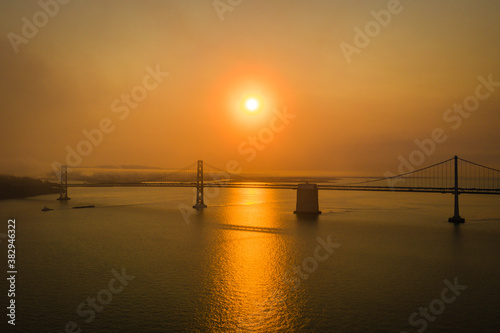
(454, 176)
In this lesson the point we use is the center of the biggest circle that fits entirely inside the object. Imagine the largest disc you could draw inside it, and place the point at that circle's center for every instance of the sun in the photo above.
(252, 104)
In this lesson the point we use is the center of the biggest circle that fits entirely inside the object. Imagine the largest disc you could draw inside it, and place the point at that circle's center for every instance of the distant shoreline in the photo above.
(12, 187)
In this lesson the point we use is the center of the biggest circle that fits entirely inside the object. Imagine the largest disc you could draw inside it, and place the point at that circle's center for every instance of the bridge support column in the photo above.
(307, 199)
(199, 187)
(456, 217)
(63, 188)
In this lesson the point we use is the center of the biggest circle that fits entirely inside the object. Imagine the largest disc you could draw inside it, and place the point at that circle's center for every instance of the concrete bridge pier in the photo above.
(307, 199)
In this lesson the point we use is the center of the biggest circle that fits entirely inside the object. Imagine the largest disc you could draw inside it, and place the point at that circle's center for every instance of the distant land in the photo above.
(135, 174)
(12, 187)
(124, 167)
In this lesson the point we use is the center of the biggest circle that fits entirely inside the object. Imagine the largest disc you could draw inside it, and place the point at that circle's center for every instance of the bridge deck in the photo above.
(293, 186)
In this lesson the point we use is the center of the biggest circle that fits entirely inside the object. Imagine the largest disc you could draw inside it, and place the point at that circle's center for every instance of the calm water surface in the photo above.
(214, 274)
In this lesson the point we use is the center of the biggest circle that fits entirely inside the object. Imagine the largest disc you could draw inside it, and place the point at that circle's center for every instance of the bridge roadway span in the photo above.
(293, 186)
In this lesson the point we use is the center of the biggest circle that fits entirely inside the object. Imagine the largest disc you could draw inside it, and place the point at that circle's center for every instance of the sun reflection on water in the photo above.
(249, 292)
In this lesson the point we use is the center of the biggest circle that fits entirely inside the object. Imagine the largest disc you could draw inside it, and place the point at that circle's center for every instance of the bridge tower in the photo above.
(63, 194)
(456, 217)
(199, 187)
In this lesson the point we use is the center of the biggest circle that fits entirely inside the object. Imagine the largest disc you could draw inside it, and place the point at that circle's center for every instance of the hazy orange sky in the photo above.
(351, 115)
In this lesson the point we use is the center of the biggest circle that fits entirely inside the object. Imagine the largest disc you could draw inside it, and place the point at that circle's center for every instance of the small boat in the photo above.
(90, 206)
(46, 209)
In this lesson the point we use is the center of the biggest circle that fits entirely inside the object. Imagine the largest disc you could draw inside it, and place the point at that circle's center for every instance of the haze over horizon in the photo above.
(347, 114)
